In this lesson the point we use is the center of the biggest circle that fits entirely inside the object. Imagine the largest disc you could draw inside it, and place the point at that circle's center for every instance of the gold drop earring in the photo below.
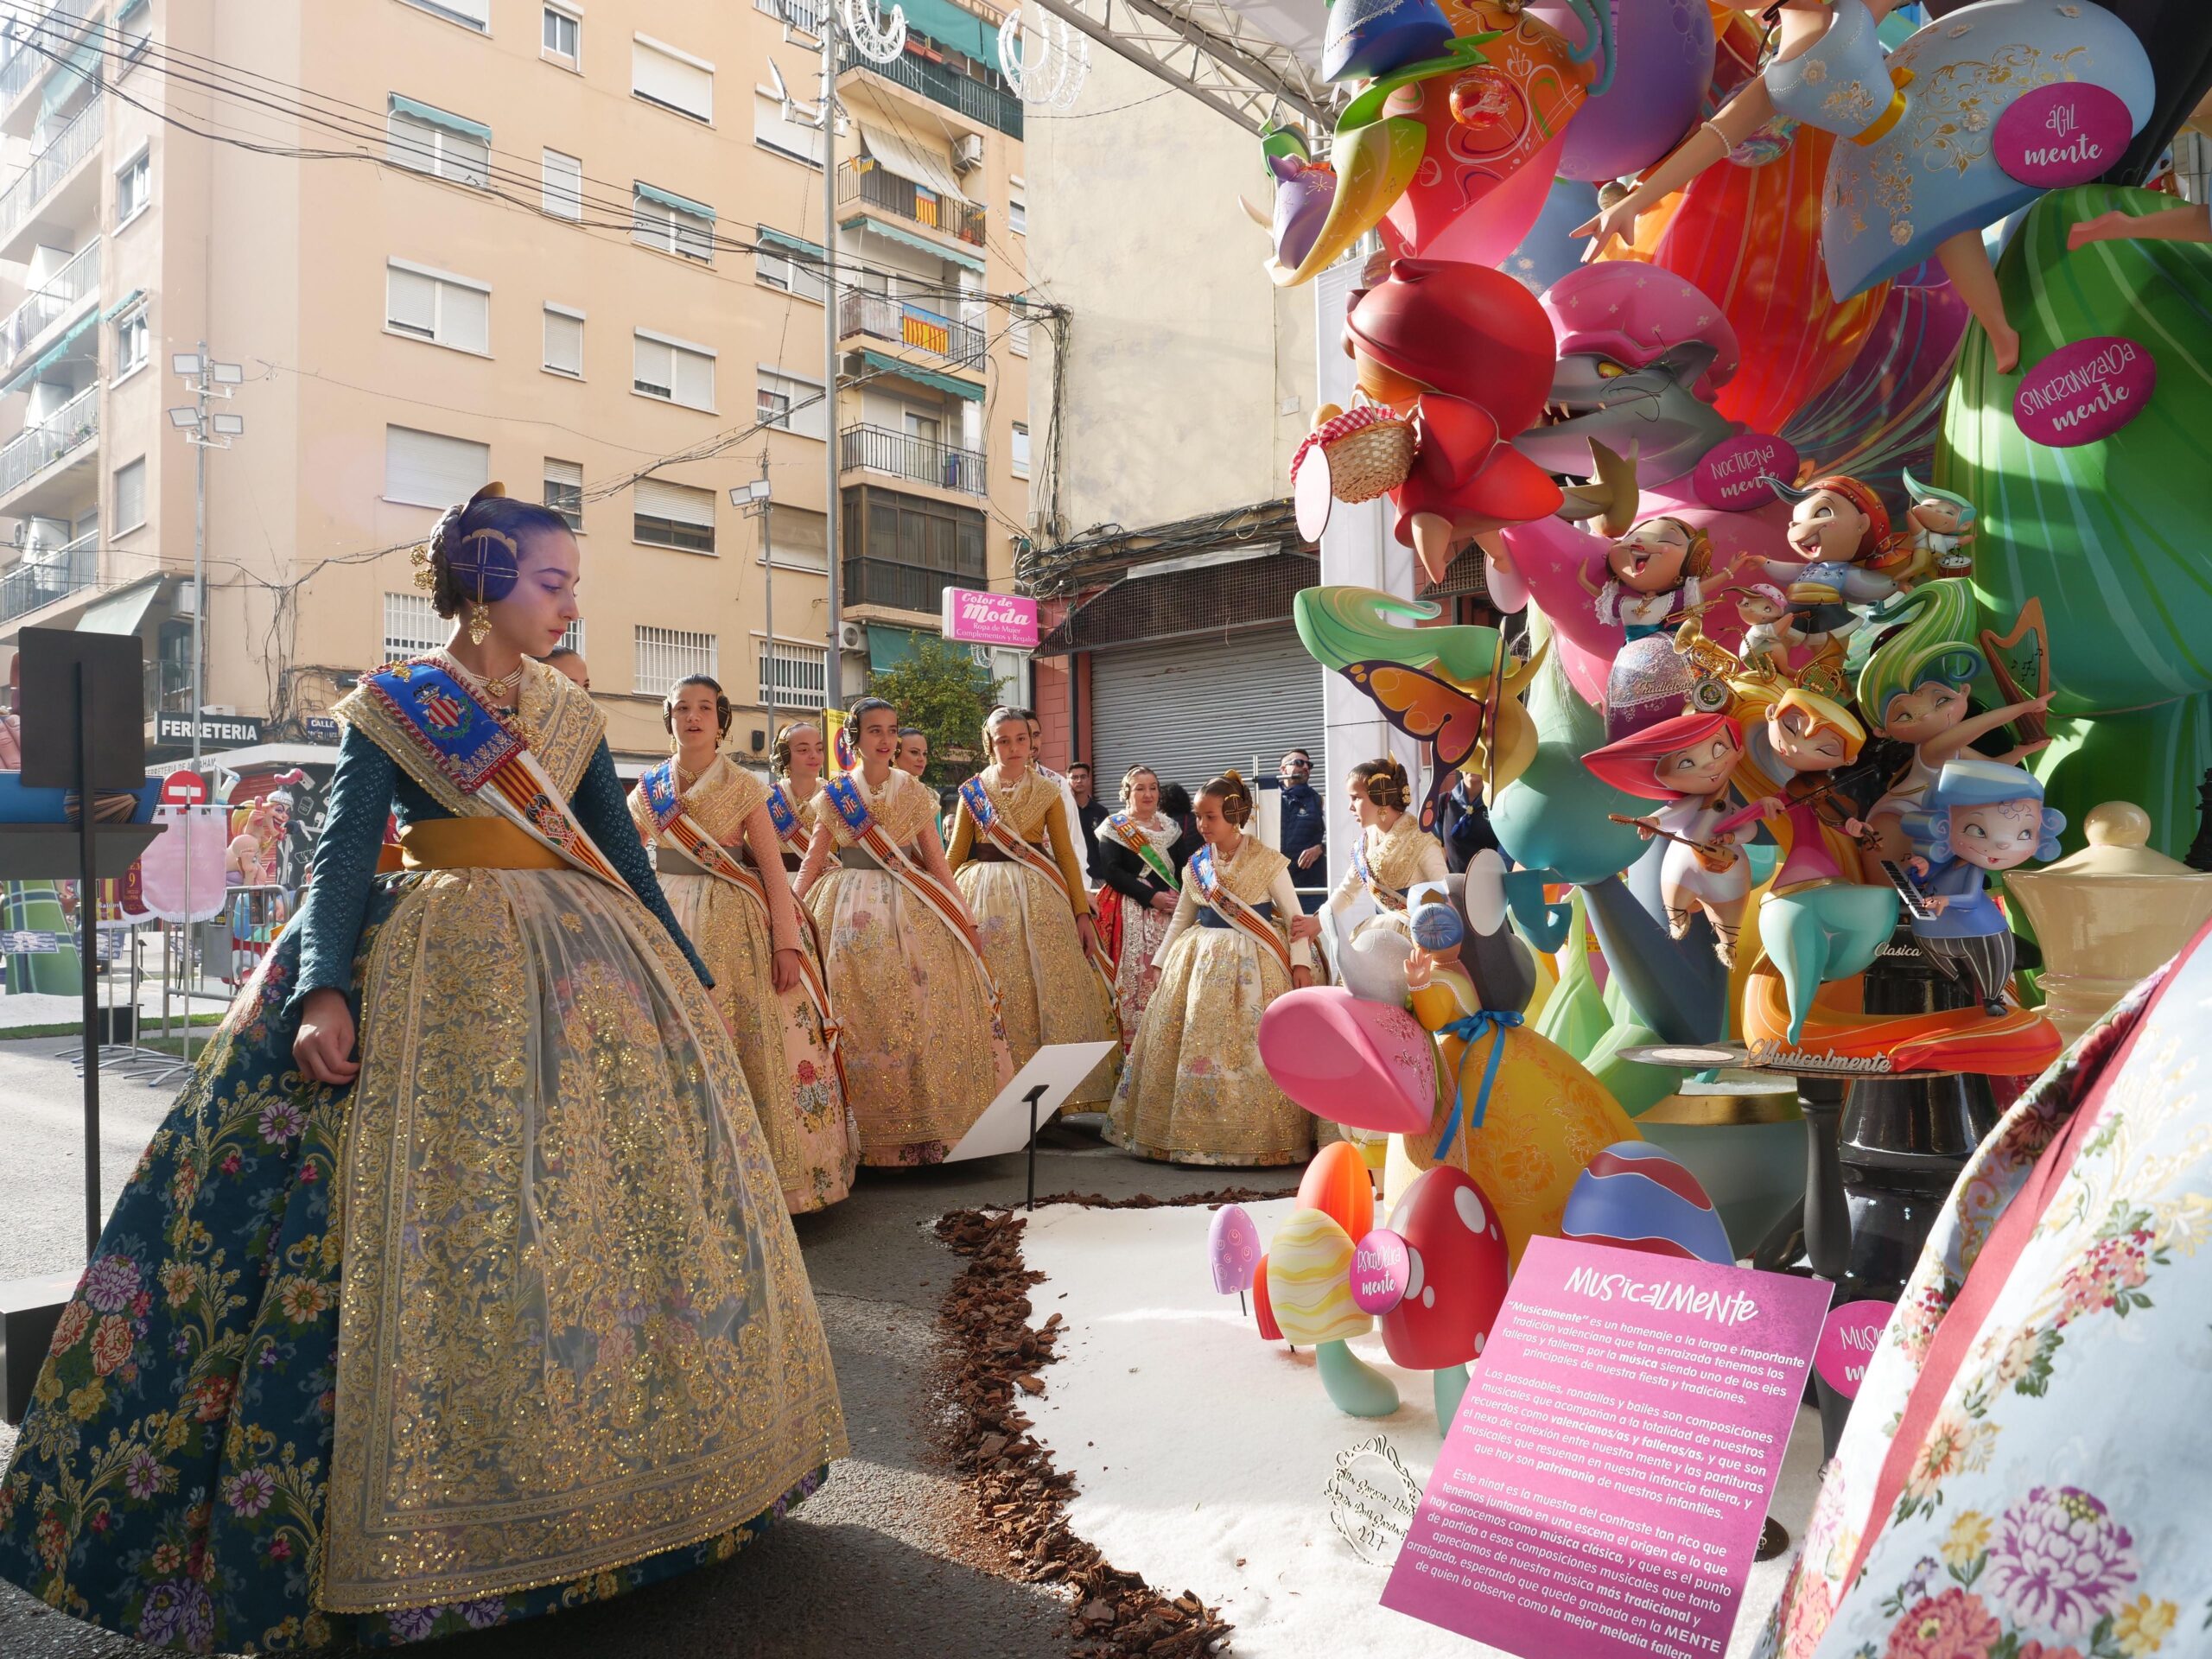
(479, 623)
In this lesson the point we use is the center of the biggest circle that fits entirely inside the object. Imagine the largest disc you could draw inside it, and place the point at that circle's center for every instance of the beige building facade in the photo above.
(574, 247)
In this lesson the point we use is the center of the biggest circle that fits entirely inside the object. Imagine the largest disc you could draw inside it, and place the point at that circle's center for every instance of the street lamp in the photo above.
(752, 500)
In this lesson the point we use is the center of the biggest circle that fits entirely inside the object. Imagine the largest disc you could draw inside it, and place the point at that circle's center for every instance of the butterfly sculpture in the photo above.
(1483, 730)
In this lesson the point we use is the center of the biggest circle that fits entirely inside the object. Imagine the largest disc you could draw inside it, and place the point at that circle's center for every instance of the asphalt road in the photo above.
(886, 1560)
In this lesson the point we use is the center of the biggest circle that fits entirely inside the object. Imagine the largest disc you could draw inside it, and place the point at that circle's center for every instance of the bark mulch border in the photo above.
(993, 1359)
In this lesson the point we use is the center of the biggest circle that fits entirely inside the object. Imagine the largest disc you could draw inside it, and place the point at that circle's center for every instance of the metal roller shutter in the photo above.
(1189, 709)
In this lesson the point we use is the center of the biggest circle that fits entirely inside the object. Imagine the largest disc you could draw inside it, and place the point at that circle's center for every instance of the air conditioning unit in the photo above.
(852, 636)
(968, 152)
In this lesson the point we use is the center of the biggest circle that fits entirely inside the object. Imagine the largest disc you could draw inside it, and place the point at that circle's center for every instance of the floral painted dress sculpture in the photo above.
(536, 1199)
(1917, 175)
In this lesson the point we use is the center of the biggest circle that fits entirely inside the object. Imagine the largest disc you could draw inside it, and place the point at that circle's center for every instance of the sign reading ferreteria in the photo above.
(232, 731)
(973, 617)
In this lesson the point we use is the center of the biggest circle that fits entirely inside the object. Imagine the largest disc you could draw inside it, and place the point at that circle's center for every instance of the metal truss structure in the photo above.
(1212, 50)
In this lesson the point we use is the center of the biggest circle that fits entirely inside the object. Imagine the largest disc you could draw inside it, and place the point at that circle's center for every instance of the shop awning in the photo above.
(916, 163)
(950, 25)
(681, 204)
(908, 238)
(438, 118)
(123, 611)
(53, 354)
(878, 362)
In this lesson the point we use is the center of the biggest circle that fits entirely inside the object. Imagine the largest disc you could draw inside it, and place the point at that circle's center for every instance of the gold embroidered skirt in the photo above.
(1194, 1091)
(574, 1330)
(921, 1058)
(811, 1131)
(1048, 991)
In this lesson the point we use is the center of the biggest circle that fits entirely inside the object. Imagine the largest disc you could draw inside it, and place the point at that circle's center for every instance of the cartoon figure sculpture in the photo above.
(1642, 355)
(1304, 189)
(1769, 637)
(1914, 689)
(1367, 38)
(1688, 763)
(1652, 580)
(1941, 525)
(1818, 921)
(1840, 533)
(1984, 816)
(1914, 177)
(1470, 350)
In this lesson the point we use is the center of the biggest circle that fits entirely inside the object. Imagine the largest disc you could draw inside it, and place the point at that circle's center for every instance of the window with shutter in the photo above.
(129, 509)
(666, 655)
(429, 469)
(1020, 458)
(564, 340)
(656, 222)
(563, 193)
(791, 404)
(797, 678)
(471, 14)
(674, 80)
(792, 139)
(562, 35)
(799, 539)
(426, 140)
(673, 515)
(412, 626)
(675, 372)
(445, 309)
(564, 491)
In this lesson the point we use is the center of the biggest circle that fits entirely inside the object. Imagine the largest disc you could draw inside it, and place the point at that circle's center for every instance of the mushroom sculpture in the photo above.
(1454, 1281)
(1309, 1279)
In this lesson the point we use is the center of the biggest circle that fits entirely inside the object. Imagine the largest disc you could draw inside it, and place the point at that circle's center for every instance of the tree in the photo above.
(943, 691)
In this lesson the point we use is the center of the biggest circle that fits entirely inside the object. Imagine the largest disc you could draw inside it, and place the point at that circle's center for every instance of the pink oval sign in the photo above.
(2066, 133)
(1731, 475)
(1848, 1338)
(2084, 391)
(1381, 1268)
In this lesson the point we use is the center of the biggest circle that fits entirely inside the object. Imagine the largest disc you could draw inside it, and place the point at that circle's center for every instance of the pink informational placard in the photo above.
(2085, 391)
(1848, 1338)
(1730, 477)
(1602, 1489)
(2063, 134)
(974, 617)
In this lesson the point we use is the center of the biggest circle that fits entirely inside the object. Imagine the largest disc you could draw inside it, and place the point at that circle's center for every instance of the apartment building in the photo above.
(574, 247)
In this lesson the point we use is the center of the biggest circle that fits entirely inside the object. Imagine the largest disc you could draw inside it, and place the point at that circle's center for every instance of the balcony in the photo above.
(881, 316)
(20, 204)
(44, 575)
(37, 45)
(66, 289)
(878, 449)
(979, 101)
(863, 182)
(896, 587)
(69, 430)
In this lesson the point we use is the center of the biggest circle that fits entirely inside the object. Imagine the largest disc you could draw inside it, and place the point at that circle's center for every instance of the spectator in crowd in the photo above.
(1304, 824)
(1463, 824)
(1089, 814)
(570, 662)
(947, 808)
(1068, 803)
(914, 755)
(1175, 803)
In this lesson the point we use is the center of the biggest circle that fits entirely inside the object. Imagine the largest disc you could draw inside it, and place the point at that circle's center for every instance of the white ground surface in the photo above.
(1199, 1451)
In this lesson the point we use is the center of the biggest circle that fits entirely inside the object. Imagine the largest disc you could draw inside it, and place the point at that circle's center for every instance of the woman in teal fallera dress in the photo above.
(504, 1315)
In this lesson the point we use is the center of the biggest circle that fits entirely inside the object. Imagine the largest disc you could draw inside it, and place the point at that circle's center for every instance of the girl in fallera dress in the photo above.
(1194, 1090)
(716, 846)
(923, 1047)
(797, 758)
(464, 1213)
(1014, 856)
(1393, 853)
(1142, 852)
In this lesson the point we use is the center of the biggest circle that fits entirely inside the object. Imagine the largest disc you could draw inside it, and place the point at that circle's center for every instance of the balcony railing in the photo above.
(881, 450)
(862, 180)
(67, 287)
(860, 312)
(50, 166)
(76, 423)
(976, 99)
(44, 575)
(899, 587)
(62, 24)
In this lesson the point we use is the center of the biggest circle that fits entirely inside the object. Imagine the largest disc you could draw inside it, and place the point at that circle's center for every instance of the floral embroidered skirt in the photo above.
(1194, 1090)
(554, 1290)
(810, 1130)
(2053, 1501)
(1048, 991)
(1142, 928)
(924, 1053)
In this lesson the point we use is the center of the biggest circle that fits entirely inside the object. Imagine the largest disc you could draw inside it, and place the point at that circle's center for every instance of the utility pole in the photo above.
(204, 431)
(878, 40)
(750, 500)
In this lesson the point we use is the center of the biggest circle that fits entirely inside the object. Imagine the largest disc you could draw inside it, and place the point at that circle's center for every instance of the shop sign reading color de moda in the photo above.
(972, 617)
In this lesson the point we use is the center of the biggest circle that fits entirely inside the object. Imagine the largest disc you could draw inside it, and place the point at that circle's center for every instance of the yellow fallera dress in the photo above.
(1194, 1090)
(810, 1129)
(1048, 990)
(1390, 863)
(923, 1047)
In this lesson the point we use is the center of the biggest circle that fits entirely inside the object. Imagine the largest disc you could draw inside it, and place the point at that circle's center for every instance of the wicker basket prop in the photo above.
(1369, 451)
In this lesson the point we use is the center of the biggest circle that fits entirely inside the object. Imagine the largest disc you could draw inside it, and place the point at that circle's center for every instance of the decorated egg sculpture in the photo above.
(1233, 1244)
(1309, 1281)
(1338, 1185)
(1634, 1197)
(1455, 1282)
(1263, 1313)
